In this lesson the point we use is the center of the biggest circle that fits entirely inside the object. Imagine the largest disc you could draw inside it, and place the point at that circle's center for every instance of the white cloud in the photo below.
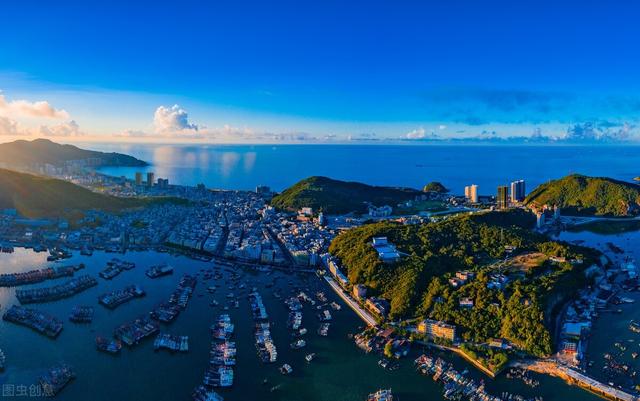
(130, 133)
(8, 127)
(418, 133)
(171, 120)
(70, 128)
(24, 108)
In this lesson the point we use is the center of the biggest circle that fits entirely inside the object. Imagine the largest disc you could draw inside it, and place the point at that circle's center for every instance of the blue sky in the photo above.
(316, 71)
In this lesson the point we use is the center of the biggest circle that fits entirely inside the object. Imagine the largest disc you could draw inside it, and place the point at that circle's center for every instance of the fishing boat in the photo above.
(202, 394)
(323, 330)
(286, 369)
(159, 270)
(108, 346)
(298, 344)
(56, 379)
(381, 395)
(310, 357)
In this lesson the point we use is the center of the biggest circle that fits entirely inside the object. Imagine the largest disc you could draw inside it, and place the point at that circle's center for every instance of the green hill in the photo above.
(339, 197)
(581, 195)
(35, 197)
(417, 285)
(21, 153)
(435, 186)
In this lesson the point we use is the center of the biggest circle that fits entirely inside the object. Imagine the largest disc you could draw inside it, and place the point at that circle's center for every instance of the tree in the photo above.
(388, 349)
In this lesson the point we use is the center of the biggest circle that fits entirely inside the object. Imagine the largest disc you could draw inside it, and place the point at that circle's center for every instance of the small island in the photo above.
(435, 186)
(339, 197)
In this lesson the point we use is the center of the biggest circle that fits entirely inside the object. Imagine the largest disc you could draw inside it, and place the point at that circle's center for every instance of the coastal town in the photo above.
(240, 230)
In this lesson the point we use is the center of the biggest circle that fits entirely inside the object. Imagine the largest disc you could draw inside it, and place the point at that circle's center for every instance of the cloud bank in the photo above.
(24, 108)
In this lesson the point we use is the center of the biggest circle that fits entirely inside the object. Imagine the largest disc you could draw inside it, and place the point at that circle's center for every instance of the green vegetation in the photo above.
(417, 286)
(421, 206)
(339, 197)
(492, 359)
(435, 186)
(581, 195)
(36, 197)
(19, 154)
(388, 350)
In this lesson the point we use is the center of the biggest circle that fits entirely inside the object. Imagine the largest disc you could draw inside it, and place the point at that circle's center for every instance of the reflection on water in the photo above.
(229, 162)
(245, 166)
(249, 161)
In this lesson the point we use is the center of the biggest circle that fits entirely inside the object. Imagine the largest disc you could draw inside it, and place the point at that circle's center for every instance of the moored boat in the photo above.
(286, 369)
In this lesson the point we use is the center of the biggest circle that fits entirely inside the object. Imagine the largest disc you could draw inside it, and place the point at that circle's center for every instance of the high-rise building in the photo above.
(518, 191)
(262, 189)
(163, 183)
(502, 200)
(471, 193)
(150, 179)
(138, 178)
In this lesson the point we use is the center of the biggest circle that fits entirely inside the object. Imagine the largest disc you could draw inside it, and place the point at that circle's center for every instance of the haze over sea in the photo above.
(279, 166)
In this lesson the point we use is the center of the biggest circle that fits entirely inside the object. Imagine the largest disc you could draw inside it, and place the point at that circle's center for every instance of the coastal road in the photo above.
(364, 315)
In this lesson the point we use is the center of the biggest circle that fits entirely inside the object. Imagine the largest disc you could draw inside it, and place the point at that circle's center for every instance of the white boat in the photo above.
(286, 369)
(381, 395)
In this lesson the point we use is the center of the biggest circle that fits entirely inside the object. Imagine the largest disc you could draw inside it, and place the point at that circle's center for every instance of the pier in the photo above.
(601, 389)
(572, 376)
(364, 315)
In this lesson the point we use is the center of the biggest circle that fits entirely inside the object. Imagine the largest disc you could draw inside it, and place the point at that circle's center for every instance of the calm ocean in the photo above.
(279, 166)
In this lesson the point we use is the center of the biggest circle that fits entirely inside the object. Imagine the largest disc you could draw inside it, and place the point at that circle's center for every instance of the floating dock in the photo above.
(36, 276)
(60, 291)
(38, 321)
(56, 379)
(171, 342)
(116, 298)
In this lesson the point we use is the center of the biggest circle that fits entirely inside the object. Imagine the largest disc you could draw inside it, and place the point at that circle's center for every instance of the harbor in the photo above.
(335, 356)
(457, 385)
